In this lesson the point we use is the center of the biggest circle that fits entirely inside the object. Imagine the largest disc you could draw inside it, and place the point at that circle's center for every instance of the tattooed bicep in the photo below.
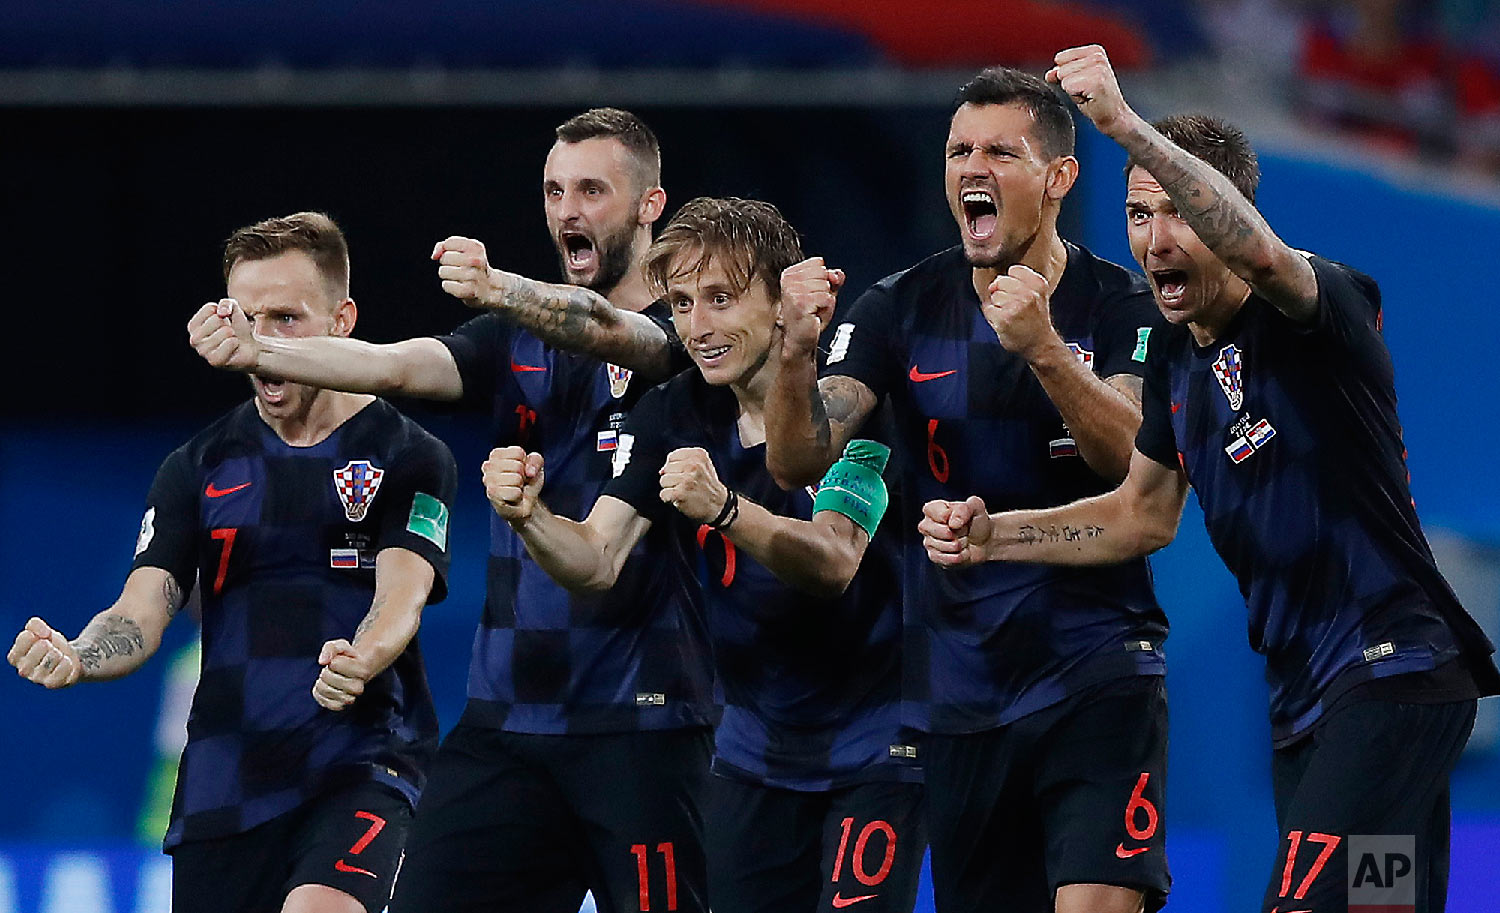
(1133, 387)
(848, 403)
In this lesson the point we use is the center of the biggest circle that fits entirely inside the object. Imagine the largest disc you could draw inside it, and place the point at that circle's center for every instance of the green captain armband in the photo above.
(853, 486)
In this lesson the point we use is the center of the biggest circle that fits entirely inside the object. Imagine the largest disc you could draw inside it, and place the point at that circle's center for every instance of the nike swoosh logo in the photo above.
(918, 377)
(213, 492)
(840, 903)
(342, 866)
(525, 369)
(1126, 854)
(1175, 407)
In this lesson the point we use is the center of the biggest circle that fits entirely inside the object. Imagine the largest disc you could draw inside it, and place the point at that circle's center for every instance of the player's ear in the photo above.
(653, 204)
(344, 317)
(1061, 175)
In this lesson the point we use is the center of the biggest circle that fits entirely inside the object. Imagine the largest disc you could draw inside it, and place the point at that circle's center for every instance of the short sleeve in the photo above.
(1348, 303)
(169, 530)
(862, 343)
(678, 358)
(1155, 438)
(639, 456)
(479, 348)
(1126, 327)
(419, 490)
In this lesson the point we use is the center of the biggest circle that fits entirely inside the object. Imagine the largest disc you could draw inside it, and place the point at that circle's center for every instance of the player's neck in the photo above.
(1045, 252)
(325, 412)
(631, 293)
(1218, 315)
(751, 397)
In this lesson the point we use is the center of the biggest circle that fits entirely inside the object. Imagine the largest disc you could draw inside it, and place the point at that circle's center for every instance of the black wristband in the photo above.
(729, 513)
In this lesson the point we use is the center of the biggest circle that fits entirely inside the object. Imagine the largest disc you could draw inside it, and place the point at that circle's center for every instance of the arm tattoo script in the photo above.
(1028, 534)
(111, 636)
(370, 618)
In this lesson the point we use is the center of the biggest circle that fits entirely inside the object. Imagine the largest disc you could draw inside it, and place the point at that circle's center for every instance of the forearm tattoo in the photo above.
(370, 618)
(580, 320)
(171, 594)
(1028, 534)
(842, 405)
(107, 638)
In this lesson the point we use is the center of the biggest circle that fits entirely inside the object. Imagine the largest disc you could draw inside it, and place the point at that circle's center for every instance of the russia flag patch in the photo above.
(608, 440)
(343, 557)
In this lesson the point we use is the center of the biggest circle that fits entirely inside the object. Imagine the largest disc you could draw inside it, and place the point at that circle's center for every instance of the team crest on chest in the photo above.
(357, 483)
(619, 379)
(1228, 373)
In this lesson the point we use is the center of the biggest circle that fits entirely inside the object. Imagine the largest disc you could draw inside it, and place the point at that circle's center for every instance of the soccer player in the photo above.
(1012, 363)
(1275, 400)
(581, 755)
(815, 800)
(315, 524)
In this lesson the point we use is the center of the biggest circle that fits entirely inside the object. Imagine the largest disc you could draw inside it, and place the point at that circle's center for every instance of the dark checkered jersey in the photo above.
(550, 661)
(282, 541)
(810, 685)
(990, 644)
(1289, 435)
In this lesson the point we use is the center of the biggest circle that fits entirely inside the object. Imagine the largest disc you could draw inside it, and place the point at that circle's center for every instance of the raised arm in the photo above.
(584, 555)
(403, 581)
(818, 556)
(114, 644)
(808, 421)
(1223, 219)
(1102, 416)
(423, 367)
(564, 316)
(1135, 519)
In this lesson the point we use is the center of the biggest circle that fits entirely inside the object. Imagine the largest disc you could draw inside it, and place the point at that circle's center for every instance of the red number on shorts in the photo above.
(937, 457)
(1330, 843)
(1138, 802)
(727, 577)
(643, 874)
(377, 824)
(858, 866)
(227, 535)
(525, 418)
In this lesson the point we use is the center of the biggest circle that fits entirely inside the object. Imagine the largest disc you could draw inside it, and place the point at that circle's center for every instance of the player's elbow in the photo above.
(1155, 530)
(791, 474)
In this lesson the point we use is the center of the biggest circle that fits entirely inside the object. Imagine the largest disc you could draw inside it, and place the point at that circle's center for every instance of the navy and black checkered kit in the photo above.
(989, 644)
(1289, 435)
(547, 660)
(811, 685)
(268, 532)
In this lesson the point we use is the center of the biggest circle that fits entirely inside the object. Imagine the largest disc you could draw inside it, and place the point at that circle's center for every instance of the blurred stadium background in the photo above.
(138, 135)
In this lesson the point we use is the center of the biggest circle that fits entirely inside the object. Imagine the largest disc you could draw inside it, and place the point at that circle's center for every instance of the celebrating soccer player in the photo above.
(581, 755)
(1275, 400)
(1012, 363)
(815, 804)
(315, 524)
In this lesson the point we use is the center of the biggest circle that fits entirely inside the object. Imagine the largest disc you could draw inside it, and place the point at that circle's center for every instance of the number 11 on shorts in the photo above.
(643, 872)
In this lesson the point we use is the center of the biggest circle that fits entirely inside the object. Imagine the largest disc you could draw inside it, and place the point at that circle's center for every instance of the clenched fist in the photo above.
(809, 291)
(465, 270)
(1018, 311)
(955, 533)
(223, 335)
(690, 484)
(44, 656)
(1086, 75)
(512, 481)
(346, 671)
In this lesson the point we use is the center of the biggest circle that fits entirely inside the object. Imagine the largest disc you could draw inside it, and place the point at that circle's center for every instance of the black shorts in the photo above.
(349, 839)
(774, 850)
(1372, 775)
(1068, 795)
(512, 822)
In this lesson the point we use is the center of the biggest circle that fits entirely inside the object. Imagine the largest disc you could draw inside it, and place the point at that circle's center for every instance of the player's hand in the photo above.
(223, 335)
(1018, 311)
(1086, 75)
(512, 481)
(956, 533)
(690, 484)
(346, 671)
(44, 656)
(809, 291)
(464, 267)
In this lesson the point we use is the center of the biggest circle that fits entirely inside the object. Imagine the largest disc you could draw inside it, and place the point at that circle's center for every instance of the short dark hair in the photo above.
(1009, 86)
(1219, 143)
(750, 239)
(629, 130)
(313, 233)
